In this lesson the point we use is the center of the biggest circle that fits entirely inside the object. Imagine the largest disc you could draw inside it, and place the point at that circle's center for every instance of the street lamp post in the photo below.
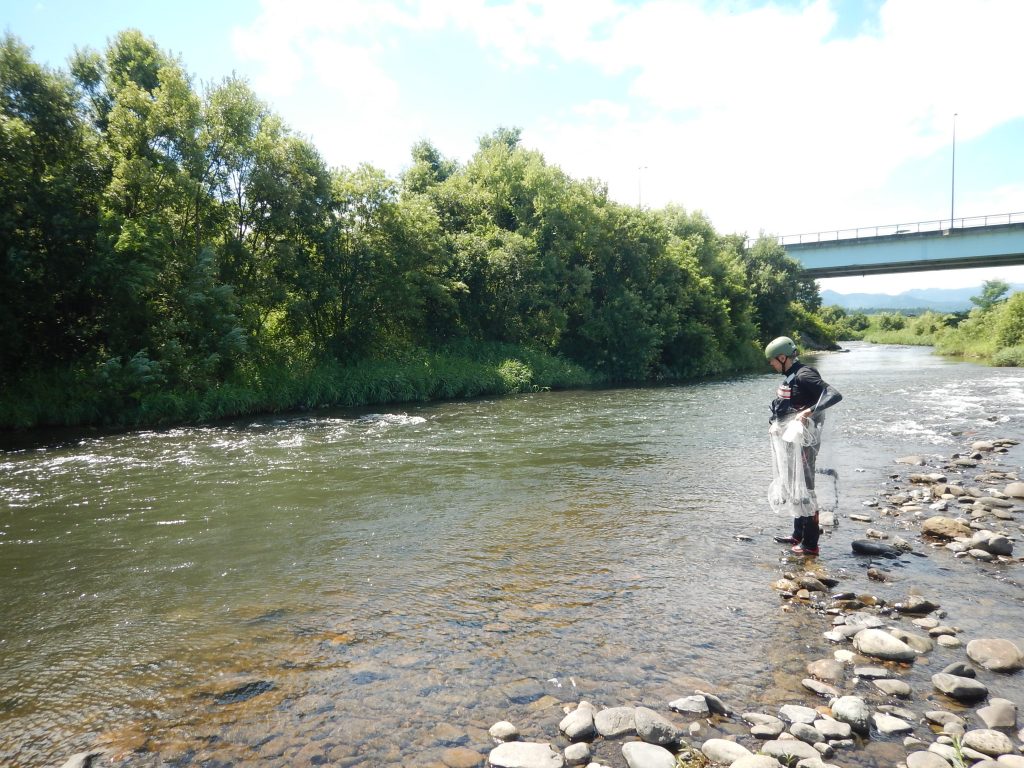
(952, 176)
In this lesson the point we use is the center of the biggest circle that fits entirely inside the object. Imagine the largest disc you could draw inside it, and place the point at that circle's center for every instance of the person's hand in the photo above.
(805, 414)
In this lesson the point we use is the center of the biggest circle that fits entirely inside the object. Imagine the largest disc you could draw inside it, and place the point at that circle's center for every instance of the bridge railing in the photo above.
(902, 229)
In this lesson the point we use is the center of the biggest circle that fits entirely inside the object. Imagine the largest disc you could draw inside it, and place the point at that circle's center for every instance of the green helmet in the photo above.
(780, 346)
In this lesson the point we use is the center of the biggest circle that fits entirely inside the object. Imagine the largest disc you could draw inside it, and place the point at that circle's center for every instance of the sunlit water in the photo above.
(393, 583)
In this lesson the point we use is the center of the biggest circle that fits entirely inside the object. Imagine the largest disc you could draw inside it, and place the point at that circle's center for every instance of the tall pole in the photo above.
(952, 176)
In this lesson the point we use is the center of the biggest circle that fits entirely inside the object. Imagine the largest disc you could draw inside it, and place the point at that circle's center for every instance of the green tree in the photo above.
(993, 292)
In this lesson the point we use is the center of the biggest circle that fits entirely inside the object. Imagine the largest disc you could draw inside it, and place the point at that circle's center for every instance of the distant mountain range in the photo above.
(937, 299)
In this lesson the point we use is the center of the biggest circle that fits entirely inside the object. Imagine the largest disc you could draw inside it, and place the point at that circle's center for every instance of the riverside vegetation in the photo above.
(175, 254)
(992, 332)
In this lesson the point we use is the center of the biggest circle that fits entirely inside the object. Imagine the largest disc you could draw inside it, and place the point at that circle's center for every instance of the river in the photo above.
(373, 588)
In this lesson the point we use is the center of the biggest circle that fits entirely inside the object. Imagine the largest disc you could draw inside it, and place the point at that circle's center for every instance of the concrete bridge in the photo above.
(981, 241)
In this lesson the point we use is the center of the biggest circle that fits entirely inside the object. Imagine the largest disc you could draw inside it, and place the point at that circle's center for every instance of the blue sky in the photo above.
(783, 117)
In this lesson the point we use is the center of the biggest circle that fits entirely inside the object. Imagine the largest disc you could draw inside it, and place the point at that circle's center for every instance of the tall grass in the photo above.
(77, 398)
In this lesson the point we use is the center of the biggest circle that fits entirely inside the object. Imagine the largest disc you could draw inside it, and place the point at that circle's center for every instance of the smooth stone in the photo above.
(893, 687)
(949, 641)
(871, 673)
(981, 554)
(715, 705)
(505, 731)
(820, 688)
(784, 750)
(639, 754)
(768, 730)
(833, 730)
(615, 721)
(756, 761)
(853, 711)
(829, 670)
(1016, 490)
(807, 733)
(988, 742)
(941, 717)
(960, 669)
(926, 622)
(995, 654)
(794, 713)
(880, 644)
(525, 754)
(919, 643)
(1010, 761)
(844, 656)
(925, 760)
(950, 753)
(694, 706)
(760, 718)
(916, 461)
(862, 620)
(1000, 713)
(960, 688)
(579, 725)
(874, 549)
(889, 725)
(916, 605)
(577, 754)
(723, 750)
(655, 729)
(954, 729)
(944, 528)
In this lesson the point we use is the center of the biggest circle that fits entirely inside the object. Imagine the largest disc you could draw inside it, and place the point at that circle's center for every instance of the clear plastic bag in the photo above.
(794, 448)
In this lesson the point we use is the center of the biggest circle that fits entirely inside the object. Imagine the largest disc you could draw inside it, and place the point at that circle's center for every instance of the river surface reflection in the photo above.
(372, 588)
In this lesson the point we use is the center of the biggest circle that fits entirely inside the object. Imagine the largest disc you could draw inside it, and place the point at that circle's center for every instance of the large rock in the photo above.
(988, 742)
(1000, 713)
(882, 645)
(854, 712)
(578, 725)
(919, 643)
(888, 725)
(795, 713)
(1016, 490)
(807, 733)
(692, 706)
(944, 527)
(960, 688)
(828, 670)
(615, 721)
(723, 751)
(996, 655)
(926, 760)
(874, 548)
(639, 754)
(655, 729)
(525, 754)
(833, 730)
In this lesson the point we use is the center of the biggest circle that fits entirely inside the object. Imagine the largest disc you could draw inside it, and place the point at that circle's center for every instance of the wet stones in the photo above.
(874, 548)
(962, 689)
(1000, 713)
(882, 645)
(579, 725)
(995, 655)
(724, 751)
(655, 729)
(640, 755)
(944, 528)
(615, 721)
(525, 754)
(988, 742)
(854, 712)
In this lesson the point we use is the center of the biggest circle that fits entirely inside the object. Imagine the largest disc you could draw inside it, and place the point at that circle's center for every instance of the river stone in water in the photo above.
(579, 725)
(655, 729)
(833, 730)
(874, 549)
(820, 688)
(639, 754)
(723, 751)
(505, 731)
(694, 706)
(807, 733)
(577, 754)
(995, 655)
(925, 760)
(960, 688)
(882, 645)
(988, 742)
(525, 754)
(1000, 713)
(1016, 490)
(893, 687)
(919, 643)
(794, 713)
(944, 528)
(461, 757)
(615, 721)
(829, 670)
(853, 711)
(960, 669)
(889, 725)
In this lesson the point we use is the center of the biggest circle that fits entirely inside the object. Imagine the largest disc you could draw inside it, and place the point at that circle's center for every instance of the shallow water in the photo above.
(388, 585)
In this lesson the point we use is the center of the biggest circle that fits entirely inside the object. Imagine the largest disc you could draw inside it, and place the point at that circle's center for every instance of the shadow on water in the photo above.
(379, 587)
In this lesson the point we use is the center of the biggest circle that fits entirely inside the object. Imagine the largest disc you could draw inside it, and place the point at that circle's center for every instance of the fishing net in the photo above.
(794, 444)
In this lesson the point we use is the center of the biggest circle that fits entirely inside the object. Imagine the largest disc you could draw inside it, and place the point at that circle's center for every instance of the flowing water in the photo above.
(352, 588)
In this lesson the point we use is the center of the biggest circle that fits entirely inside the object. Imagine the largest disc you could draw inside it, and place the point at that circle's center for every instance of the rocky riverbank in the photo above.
(969, 506)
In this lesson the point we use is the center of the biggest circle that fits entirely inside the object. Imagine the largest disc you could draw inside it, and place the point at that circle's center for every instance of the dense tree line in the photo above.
(156, 238)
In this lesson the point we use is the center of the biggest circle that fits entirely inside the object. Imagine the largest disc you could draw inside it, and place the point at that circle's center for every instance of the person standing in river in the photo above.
(796, 419)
